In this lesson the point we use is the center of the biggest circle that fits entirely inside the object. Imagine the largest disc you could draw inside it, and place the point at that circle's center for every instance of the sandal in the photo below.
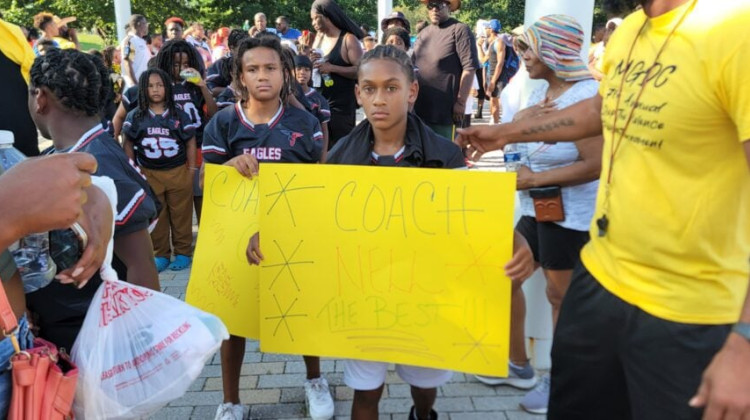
(180, 262)
(161, 263)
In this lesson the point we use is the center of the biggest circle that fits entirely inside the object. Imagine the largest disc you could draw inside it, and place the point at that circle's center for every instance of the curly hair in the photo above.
(398, 31)
(42, 19)
(75, 78)
(287, 64)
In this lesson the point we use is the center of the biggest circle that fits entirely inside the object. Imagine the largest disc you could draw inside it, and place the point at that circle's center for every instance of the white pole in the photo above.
(122, 15)
(538, 309)
(384, 9)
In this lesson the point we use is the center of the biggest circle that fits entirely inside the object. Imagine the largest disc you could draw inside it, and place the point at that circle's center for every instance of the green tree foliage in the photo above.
(99, 14)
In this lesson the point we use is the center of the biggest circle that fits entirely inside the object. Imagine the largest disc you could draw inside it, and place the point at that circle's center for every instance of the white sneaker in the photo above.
(229, 411)
(318, 399)
(518, 377)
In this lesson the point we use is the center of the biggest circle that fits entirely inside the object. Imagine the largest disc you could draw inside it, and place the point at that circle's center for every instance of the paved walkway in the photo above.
(271, 385)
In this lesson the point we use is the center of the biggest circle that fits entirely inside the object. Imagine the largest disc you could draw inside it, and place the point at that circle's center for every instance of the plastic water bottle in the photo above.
(512, 158)
(31, 254)
(190, 76)
(327, 81)
(9, 155)
(316, 79)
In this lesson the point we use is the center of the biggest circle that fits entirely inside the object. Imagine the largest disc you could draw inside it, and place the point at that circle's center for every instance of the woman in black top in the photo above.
(338, 45)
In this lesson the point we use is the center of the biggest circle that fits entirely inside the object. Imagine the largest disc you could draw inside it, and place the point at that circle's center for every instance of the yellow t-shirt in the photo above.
(678, 240)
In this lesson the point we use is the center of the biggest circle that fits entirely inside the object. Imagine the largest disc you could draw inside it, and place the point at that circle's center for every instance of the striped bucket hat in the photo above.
(557, 40)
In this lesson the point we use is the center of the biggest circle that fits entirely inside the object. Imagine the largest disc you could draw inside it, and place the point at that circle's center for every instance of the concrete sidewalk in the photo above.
(272, 386)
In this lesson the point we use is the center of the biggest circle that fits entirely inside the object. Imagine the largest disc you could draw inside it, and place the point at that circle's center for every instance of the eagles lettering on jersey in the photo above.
(160, 138)
(292, 135)
(186, 98)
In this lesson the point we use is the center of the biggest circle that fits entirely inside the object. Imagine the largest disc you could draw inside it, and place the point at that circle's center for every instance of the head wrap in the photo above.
(557, 41)
(337, 16)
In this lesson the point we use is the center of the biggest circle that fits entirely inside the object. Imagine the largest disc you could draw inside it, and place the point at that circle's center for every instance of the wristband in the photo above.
(743, 329)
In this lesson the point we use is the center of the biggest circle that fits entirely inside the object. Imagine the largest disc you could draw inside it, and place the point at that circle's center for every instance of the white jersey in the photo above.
(135, 50)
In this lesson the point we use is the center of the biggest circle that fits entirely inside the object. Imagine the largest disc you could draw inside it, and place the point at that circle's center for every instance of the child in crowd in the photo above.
(165, 140)
(262, 126)
(392, 136)
(219, 75)
(398, 37)
(67, 89)
(318, 105)
(190, 95)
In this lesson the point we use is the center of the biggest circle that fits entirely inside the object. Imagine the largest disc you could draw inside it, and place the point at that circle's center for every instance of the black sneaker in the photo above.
(413, 414)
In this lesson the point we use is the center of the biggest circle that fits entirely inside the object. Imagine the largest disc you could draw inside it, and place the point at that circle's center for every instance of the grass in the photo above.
(90, 42)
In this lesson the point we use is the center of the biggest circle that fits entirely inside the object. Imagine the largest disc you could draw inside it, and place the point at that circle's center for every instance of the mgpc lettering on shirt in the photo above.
(638, 72)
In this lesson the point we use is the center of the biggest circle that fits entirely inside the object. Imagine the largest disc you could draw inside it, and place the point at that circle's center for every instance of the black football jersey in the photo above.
(227, 97)
(186, 97)
(136, 203)
(215, 74)
(319, 105)
(160, 138)
(291, 136)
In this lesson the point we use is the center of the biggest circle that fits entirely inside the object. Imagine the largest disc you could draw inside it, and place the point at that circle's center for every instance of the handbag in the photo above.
(548, 204)
(44, 379)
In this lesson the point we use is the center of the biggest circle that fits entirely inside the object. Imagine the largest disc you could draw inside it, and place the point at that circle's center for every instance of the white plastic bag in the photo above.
(138, 350)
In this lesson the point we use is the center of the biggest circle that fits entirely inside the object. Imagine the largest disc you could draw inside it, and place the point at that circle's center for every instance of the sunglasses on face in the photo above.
(436, 6)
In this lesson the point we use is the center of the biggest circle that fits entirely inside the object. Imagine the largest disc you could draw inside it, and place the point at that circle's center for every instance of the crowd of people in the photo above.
(646, 261)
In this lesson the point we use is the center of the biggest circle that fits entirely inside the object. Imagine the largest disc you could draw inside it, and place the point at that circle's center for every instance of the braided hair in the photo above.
(287, 64)
(165, 58)
(144, 102)
(74, 77)
(107, 91)
(235, 37)
(389, 52)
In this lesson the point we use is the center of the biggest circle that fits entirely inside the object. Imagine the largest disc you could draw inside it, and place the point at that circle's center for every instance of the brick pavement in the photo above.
(271, 385)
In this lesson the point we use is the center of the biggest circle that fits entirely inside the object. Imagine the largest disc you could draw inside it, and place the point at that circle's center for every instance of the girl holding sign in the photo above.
(262, 127)
(392, 136)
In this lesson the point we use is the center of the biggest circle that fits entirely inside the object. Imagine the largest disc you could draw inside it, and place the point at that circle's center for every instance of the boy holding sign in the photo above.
(262, 127)
(392, 136)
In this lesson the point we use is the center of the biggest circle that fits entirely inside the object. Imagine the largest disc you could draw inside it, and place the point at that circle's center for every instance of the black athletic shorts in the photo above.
(611, 360)
(554, 247)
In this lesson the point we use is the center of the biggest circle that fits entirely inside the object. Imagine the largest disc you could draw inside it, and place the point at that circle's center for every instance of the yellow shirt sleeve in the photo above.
(734, 82)
(13, 44)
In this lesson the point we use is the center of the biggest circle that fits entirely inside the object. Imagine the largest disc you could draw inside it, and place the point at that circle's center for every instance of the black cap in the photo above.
(395, 16)
(302, 61)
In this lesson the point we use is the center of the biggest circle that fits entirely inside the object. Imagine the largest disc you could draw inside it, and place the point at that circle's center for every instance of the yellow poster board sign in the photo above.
(222, 282)
(387, 264)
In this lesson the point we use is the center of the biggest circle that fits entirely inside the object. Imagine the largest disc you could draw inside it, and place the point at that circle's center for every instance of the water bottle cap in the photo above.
(6, 137)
